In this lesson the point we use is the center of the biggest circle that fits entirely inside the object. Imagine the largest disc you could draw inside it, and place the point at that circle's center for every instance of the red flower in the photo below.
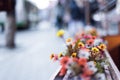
(64, 61)
(90, 41)
(62, 71)
(89, 36)
(86, 71)
(93, 37)
(82, 61)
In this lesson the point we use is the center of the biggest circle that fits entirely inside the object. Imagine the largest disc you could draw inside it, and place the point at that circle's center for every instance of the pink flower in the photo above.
(55, 57)
(86, 71)
(82, 61)
(84, 77)
(64, 61)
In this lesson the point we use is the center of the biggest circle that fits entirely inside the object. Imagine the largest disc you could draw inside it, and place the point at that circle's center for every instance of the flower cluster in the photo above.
(84, 56)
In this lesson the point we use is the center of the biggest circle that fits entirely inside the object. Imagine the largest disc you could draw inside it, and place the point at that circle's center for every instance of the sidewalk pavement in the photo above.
(30, 59)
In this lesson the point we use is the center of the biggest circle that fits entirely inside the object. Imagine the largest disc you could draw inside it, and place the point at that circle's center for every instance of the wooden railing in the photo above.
(114, 48)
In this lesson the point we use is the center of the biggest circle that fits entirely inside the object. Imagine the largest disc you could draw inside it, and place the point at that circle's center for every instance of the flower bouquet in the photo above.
(84, 58)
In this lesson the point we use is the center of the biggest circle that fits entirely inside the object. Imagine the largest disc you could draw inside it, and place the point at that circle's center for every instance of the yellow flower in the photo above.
(102, 46)
(80, 45)
(60, 33)
(60, 55)
(52, 56)
(93, 32)
(95, 63)
(95, 50)
(69, 40)
(74, 55)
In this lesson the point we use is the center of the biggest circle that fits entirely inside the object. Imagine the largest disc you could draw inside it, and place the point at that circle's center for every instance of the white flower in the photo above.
(97, 42)
(84, 54)
(102, 64)
(92, 67)
(82, 40)
(88, 46)
(69, 41)
(69, 64)
(100, 76)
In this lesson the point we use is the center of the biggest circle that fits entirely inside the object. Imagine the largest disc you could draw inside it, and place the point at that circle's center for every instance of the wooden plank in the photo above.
(107, 72)
(116, 73)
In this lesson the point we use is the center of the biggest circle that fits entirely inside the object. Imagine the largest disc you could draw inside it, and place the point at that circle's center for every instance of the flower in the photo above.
(92, 66)
(51, 56)
(87, 72)
(80, 45)
(69, 41)
(60, 55)
(74, 55)
(88, 46)
(93, 37)
(100, 76)
(64, 61)
(82, 34)
(55, 57)
(60, 33)
(95, 63)
(95, 50)
(84, 54)
(93, 32)
(102, 46)
(75, 59)
(84, 77)
(89, 36)
(90, 41)
(62, 71)
(82, 61)
(102, 64)
(70, 64)
(97, 42)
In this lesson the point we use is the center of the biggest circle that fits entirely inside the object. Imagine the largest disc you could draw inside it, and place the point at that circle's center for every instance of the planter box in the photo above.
(112, 73)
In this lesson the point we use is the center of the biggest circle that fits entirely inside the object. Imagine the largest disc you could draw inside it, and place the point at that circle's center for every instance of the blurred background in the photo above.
(28, 33)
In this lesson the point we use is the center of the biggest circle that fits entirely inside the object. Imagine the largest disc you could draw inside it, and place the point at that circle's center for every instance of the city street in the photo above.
(30, 59)
(82, 35)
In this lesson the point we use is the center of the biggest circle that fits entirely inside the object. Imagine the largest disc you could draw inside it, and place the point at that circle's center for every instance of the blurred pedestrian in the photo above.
(77, 17)
(60, 14)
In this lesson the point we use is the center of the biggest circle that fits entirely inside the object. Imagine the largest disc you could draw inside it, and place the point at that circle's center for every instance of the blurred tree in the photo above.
(10, 29)
(10, 24)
